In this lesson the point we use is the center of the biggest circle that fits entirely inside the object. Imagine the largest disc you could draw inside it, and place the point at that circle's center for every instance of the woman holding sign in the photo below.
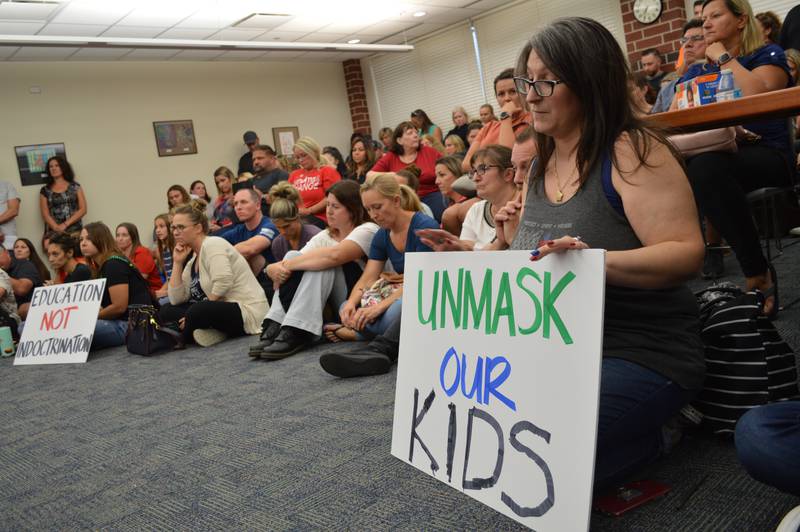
(124, 284)
(213, 293)
(601, 173)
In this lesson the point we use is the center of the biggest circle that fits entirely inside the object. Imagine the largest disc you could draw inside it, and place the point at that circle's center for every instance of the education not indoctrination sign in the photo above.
(498, 379)
(60, 323)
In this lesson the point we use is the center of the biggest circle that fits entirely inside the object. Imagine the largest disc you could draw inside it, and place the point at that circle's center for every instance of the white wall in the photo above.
(104, 113)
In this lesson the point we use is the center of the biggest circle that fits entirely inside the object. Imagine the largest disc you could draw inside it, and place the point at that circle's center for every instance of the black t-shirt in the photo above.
(24, 269)
(267, 181)
(115, 272)
(80, 273)
(246, 163)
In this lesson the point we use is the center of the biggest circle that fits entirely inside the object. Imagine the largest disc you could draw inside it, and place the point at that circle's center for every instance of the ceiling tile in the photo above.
(185, 33)
(305, 24)
(485, 5)
(213, 17)
(261, 21)
(323, 37)
(235, 34)
(283, 56)
(34, 53)
(149, 55)
(423, 4)
(25, 11)
(92, 12)
(240, 55)
(73, 30)
(387, 28)
(344, 27)
(365, 39)
(164, 14)
(196, 55)
(99, 54)
(286, 36)
(443, 15)
(20, 28)
(132, 32)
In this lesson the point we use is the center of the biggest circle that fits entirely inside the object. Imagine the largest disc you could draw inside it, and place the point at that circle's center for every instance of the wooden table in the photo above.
(776, 104)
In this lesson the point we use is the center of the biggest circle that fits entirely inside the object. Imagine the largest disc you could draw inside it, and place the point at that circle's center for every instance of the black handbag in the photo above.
(146, 335)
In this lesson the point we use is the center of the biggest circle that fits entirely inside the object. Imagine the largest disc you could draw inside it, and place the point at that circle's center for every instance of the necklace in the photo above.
(559, 187)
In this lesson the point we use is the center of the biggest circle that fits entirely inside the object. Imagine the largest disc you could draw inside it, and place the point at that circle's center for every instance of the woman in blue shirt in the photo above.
(721, 180)
(396, 209)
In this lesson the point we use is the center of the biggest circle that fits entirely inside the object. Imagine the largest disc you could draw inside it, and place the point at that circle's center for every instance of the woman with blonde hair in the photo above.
(162, 253)
(453, 145)
(375, 301)
(721, 180)
(312, 179)
(433, 142)
(294, 234)
(325, 269)
(213, 293)
(223, 214)
(460, 123)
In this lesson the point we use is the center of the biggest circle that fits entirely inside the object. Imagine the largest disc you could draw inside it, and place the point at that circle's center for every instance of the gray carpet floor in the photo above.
(207, 439)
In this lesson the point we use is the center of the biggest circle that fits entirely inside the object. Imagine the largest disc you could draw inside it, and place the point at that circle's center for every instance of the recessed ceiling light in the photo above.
(354, 41)
(420, 13)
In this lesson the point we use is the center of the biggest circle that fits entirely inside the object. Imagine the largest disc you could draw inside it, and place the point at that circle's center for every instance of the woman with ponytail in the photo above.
(396, 210)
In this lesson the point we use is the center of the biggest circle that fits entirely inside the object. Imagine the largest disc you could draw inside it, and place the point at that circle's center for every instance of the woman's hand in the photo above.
(346, 314)
(163, 291)
(557, 246)
(506, 221)
(439, 240)
(304, 212)
(366, 315)
(180, 254)
(61, 228)
(714, 50)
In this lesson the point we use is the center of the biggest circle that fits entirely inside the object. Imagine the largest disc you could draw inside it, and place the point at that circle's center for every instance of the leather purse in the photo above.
(691, 144)
(146, 335)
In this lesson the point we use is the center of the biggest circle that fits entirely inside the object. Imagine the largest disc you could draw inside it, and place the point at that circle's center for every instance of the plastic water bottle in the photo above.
(726, 89)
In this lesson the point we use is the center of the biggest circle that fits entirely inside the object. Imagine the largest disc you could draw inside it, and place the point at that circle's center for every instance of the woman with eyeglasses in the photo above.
(213, 294)
(721, 180)
(406, 149)
(493, 174)
(124, 284)
(603, 179)
(312, 179)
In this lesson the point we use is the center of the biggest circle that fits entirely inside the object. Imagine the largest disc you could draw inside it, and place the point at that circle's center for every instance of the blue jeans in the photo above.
(635, 403)
(768, 445)
(435, 201)
(109, 333)
(379, 326)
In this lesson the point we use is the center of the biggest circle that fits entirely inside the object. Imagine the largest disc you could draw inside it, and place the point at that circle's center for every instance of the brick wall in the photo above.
(356, 95)
(662, 34)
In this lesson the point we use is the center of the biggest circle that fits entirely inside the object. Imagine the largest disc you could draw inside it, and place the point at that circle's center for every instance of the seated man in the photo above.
(268, 171)
(253, 235)
(694, 49)
(24, 278)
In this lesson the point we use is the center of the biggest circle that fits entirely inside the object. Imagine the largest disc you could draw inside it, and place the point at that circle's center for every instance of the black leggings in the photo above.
(219, 315)
(721, 181)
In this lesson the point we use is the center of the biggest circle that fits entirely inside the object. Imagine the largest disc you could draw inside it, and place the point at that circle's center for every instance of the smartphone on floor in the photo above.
(629, 496)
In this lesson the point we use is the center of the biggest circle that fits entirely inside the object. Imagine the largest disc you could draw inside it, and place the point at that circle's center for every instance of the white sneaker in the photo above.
(795, 231)
(208, 337)
(790, 522)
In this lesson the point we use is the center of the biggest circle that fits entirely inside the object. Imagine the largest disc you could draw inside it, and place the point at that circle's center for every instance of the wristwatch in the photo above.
(504, 115)
(724, 58)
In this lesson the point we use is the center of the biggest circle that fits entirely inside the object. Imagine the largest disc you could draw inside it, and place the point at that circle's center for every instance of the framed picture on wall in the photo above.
(175, 137)
(284, 138)
(32, 161)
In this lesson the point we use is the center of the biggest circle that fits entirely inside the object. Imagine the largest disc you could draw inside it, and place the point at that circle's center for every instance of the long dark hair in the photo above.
(600, 82)
(426, 121)
(369, 162)
(44, 273)
(133, 231)
(66, 169)
(206, 198)
(162, 246)
(348, 193)
(337, 155)
(100, 235)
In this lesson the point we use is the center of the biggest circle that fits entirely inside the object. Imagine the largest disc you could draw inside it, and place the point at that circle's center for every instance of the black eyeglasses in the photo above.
(542, 87)
(481, 170)
(694, 38)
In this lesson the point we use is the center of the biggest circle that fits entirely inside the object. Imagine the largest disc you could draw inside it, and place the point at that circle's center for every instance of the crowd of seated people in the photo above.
(287, 242)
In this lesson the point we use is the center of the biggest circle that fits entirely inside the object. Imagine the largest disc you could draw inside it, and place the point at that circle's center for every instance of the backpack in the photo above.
(748, 364)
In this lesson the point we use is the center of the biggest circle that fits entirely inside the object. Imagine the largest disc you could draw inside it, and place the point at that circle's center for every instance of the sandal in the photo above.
(336, 332)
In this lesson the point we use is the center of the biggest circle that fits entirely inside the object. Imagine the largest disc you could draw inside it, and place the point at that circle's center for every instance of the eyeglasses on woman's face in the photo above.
(481, 170)
(542, 87)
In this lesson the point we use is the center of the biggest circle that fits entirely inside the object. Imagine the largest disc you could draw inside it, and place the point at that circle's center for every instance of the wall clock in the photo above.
(647, 11)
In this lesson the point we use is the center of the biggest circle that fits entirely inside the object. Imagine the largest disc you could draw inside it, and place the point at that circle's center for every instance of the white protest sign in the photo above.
(498, 379)
(60, 323)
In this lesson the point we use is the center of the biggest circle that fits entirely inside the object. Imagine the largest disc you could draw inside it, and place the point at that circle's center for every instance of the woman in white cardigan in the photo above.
(214, 294)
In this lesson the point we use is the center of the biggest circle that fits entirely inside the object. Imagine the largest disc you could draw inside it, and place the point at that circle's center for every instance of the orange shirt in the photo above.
(490, 133)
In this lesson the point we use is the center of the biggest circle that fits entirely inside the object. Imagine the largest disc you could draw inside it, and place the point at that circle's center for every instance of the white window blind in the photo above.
(779, 7)
(441, 72)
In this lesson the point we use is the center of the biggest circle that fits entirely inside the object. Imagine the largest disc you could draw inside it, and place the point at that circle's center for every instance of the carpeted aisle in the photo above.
(209, 439)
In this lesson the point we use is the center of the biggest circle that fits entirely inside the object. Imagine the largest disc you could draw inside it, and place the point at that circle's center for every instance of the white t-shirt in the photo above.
(8, 192)
(476, 227)
(361, 235)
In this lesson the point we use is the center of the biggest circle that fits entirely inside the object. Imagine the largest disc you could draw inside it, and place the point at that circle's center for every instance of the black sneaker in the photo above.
(288, 342)
(269, 331)
(713, 264)
(351, 364)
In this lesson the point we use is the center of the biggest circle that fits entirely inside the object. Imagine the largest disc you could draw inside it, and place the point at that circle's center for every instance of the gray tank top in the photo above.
(658, 329)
